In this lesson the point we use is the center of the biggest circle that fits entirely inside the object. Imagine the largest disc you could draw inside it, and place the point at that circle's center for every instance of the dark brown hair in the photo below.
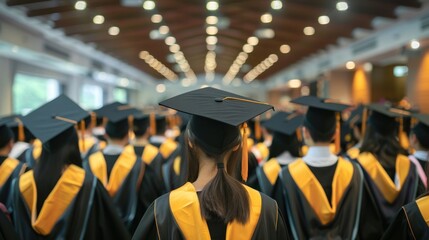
(223, 196)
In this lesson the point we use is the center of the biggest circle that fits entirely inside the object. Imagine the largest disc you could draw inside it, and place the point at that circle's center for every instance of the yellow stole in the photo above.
(381, 179)
(149, 153)
(176, 165)
(272, 169)
(263, 150)
(167, 148)
(423, 205)
(353, 153)
(37, 150)
(120, 170)
(86, 144)
(313, 191)
(6, 169)
(57, 202)
(185, 208)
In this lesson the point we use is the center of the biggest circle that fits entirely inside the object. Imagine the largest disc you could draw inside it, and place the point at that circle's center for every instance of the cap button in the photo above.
(218, 99)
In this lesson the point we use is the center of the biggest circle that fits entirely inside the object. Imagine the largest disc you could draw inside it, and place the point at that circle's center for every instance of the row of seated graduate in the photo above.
(95, 175)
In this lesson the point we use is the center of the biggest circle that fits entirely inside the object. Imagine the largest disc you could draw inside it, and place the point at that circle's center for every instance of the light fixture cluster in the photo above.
(163, 32)
(260, 68)
(157, 65)
(97, 19)
(211, 39)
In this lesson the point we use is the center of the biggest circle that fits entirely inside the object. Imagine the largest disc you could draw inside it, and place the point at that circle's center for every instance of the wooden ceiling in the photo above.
(186, 21)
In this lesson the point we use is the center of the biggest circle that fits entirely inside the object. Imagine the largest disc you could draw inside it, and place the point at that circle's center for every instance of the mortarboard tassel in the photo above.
(131, 127)
(244, 156)
(93, 120)
(337, 133)
(21, 134)
(82, 134)
(257, 129)
(152, 122)
(364, 118)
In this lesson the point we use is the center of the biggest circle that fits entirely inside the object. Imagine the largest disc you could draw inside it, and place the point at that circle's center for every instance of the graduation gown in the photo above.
(388, 196)
(310, 212)
(411, 222)
(77, 208)
(130, 183)
(421, 172)
(7, 232)
(9, 169)
(151, 157)
(177, 215)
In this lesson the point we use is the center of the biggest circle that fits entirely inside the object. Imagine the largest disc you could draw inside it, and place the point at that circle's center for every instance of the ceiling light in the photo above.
(273, 58)
(212, 20)
(212, 5)
(247, 48)
(276, 4)
(99, 19)
(211, 47)
(350, 65)
(266, 18)
(186, 82)
(80, 5)
(253, 41)
(342, 6)
(164, 29)
(323, 20)
(160, 88)
(156, 18)
(149, 5)
(211, 40)
(174, 48)
(143, 54)
(309, 31)
(170, 40)
(367, 67)
(265, 33)
(294, 83)
(414, 44)
(284, 48)
(114, 31)
(212, 30)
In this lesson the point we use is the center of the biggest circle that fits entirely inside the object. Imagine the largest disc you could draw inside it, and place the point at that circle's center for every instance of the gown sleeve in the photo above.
(398, 229)
(7, 232)
(147, 226)
(370, 225)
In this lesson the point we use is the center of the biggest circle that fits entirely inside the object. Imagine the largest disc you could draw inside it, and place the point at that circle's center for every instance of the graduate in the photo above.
(58, 199)
(324, 194)
(130, 183)
(411, 221)
(285, 148)
(357, 123)
(419, 141)
(88, 143)
(212, 204)
(390, 175)
(168, 148)
(23, 138)
(7, 232)
(10, 168)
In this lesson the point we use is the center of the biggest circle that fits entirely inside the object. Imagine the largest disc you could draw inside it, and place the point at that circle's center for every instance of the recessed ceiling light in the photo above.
(114, 31)
(273, 58)
(211, 40)
(80, 5)
(323, 20)
(212, 5)
(211, 47)
(414, 44)
(294, 83)
(156, 18)
(211, 30)
(342, 6)
(284, 48)
(266, 18)
(253, 41)
(143, 54)
(170, 40)
(247, 48)
(276, 4)
(164, 29)
(350, 65)
(98, 19)
(160, 88)
(265, 33)
(149, 5)
(212, 20)
(309, 31)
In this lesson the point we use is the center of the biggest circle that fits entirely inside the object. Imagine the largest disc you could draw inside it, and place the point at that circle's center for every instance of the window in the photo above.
(91, 96)
(30, 92)
(120, 95)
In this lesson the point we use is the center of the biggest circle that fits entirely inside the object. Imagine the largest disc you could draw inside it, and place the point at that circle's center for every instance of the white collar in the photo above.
(113, 149)
(285, 158)
(421, 155)
(320, 156)
(157, 139)
(358, 145)
(18, 149)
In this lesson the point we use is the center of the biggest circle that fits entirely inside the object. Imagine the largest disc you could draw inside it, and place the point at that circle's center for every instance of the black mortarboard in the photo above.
(284, 123)
(383, 118)
(53, 118)
(141, 123)
(117, 115)
(6, 133)
(322, 116)
(421, 129)
(20, 132)
(216, 117)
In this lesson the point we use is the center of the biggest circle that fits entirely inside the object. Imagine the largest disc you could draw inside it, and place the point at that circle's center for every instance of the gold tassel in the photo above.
(131, 127)
(21, 133)
(298, 134)
(337, 133)
(82, 133)
(152, 122)
(93, 120)
(244, 157)
(257, 129)
(364, 118)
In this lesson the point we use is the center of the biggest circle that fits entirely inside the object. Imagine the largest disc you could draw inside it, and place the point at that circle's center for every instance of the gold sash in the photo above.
(423, 205)
(167, 148)
(149, 153)
(272, 169)
(6, 169)
(353, 153)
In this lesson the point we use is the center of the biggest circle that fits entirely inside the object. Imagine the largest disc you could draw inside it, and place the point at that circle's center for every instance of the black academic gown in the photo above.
(9, 170)
(411, 222)
(388, 199)
(80, 209)
(335, 207)
(7, 231)
(151, 157)
(177, 215)
(132, 184)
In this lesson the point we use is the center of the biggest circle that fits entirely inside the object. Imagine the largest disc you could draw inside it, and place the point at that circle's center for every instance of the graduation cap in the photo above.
(118, 115)
(6, 133)
(53, 118)
(141, 123)
(384, 118)
(421, 129)
(15, 124)
(216, 116)
(284, 123)
(323, 116)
